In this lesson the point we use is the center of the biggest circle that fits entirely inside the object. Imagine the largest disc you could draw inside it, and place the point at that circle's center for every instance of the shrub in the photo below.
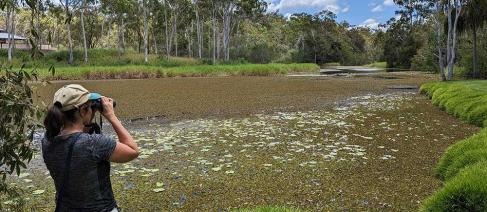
(19, 117)
(460, 100)
(465, 192)
(461, 155)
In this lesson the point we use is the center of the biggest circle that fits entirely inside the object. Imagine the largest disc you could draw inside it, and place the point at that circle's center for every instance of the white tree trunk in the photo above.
(227, 14)
(155, 42)
(455, 40)
(120, 38)
(146, 33)
(449, 39)
(199, 32)
(452, 34)
(83, 31)
(176, 35)
(213, 21)
(10, 35)
(166, 29)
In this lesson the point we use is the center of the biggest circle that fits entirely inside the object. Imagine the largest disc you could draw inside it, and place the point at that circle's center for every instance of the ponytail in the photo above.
(54, 121)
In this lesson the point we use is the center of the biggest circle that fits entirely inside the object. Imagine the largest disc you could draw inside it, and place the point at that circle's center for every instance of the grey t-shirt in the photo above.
(89, 187)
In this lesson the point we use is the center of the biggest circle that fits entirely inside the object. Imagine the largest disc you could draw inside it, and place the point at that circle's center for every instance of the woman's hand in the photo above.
(107, 104)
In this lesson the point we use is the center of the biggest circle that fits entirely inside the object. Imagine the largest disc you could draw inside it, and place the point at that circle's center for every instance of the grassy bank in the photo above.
(463, 167)
(96, 57)
(466, 100)
(377, 65)
(144, 71)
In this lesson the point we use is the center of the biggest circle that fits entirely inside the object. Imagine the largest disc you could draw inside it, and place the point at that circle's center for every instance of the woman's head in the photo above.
(71, 105)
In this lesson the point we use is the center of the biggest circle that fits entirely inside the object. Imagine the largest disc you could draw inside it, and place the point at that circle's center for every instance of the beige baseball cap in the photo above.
(71, 96)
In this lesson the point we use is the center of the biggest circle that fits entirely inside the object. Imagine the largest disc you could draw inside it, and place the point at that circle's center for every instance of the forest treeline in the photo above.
(429, 35)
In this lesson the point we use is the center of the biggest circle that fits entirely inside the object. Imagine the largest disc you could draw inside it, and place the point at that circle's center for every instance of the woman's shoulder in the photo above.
(97, 137)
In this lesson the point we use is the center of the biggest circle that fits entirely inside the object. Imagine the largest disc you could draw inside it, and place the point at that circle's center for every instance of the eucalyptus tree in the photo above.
(84, 6)
(83, 31)
(120, 9)
(199, 31)
(453, 10)
(55, 12)
(146, 31)
(68, 6)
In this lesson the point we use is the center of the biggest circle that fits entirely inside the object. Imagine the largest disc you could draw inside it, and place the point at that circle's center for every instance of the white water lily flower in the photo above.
(157, 190)
(37, 192)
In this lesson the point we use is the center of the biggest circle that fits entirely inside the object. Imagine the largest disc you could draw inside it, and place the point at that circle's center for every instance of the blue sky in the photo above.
(357, 12)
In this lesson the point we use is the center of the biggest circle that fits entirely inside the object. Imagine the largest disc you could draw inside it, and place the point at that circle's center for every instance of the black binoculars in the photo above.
(97, 105)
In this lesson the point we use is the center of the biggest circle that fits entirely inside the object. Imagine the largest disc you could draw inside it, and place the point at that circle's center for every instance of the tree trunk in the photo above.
(120, 45)
(155, 41)
(439, 29)
(168, 50)
(176, 35)
(83, 31)
(146, 33)
(227, 14)
(189, 36)
(449, 41)
(458, 11)
(10, 36)
(70, 39)
(213, 21)
(474, 39)
(199, 32)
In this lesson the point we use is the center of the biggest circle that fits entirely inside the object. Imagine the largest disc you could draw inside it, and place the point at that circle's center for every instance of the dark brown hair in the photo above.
(56, 119)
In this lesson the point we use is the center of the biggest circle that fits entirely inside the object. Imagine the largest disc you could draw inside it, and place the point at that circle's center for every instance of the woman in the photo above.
(79, 162)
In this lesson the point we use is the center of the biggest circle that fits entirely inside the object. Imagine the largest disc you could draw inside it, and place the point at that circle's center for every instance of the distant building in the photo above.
(19, 41)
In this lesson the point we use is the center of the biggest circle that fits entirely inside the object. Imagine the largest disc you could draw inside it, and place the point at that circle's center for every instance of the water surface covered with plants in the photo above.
(365, 151)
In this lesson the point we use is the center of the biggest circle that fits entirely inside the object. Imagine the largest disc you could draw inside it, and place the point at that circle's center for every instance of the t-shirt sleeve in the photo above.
(103, 147)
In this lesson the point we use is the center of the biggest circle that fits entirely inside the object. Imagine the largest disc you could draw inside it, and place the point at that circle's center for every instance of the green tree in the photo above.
(473, 18)
(19, 118)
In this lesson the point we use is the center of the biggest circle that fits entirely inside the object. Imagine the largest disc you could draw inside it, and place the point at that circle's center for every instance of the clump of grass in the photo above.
(377, 65)
(462, 154)
(269, 209)
(465, 192)
(144, 71)
(459, 99)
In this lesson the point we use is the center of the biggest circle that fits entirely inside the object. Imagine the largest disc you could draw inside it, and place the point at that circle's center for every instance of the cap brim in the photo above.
(94, 96)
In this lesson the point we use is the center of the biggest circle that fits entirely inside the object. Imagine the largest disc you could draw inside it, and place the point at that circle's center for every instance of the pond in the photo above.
(366, 148)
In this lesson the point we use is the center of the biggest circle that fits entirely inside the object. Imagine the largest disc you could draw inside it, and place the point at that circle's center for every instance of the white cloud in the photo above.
(388, 3)
(378, 8)
(331, 5)
(370, 23)
(346, 9)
